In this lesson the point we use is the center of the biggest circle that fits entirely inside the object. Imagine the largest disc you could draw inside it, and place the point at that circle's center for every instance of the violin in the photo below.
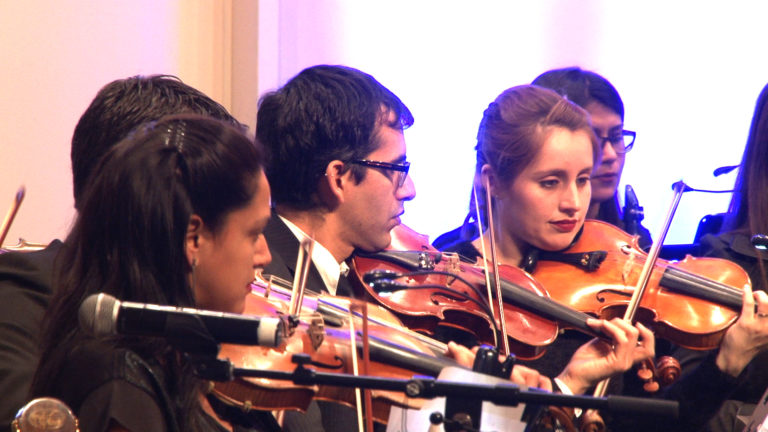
(439, 290)
(394, 354)
(690, 302)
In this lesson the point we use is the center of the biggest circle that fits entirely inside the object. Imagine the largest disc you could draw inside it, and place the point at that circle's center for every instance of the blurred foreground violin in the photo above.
(322, 334)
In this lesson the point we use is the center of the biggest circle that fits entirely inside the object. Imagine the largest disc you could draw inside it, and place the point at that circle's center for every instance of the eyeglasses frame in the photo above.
(399, 167)
(624, 133)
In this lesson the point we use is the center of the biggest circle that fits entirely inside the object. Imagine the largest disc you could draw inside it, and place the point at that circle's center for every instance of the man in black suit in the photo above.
(337, 168)
(338, 172)
(26, 278)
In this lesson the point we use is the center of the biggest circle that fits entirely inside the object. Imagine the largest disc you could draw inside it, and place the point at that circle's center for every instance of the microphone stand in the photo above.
(189, 335)
(212, 368)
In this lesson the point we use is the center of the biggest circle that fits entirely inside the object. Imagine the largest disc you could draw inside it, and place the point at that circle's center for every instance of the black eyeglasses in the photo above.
(401, 169)
(621, 141)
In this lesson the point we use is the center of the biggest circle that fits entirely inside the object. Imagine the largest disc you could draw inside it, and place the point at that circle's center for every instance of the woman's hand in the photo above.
(521, 375)
(526, 376)
(598, 359)
(748, 336)
(463, 355)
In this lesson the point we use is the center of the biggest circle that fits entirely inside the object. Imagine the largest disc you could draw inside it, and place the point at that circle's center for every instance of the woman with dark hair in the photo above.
(173, 216)
(747, 217)
(748, 212)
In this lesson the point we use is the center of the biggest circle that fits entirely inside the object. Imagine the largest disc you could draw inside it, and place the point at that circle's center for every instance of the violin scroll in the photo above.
(665, 372)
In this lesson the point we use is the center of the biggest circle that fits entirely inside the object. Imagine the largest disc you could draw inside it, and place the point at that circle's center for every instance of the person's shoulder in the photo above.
(725, 245)
(448, 238)
(95, 361)
(32, 270)
(101, 382)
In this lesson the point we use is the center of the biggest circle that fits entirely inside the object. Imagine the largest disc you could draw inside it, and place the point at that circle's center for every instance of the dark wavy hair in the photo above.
(129, 237)
(324, 113)
(748, 210)
(124, 104)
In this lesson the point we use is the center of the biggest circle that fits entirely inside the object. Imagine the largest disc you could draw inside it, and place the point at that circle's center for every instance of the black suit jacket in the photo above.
(284, 247)
(25, 289)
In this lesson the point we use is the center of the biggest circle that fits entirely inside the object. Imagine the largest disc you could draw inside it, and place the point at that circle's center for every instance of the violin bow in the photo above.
(364, 422)
(487, 275)
(11, 215)
(303, 263)
(645, 275)
(495, 261)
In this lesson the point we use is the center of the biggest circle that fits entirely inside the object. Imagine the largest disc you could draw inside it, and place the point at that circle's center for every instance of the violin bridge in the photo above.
(452, 265)
(316, 330)
(629, 264)
(452, 262)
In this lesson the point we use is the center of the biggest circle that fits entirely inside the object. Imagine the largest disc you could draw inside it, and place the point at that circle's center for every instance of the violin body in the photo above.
(433, 300)
(691, 302)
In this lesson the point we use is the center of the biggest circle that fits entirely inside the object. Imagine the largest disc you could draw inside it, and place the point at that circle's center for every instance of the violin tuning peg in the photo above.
(652, 386)
(668, 370)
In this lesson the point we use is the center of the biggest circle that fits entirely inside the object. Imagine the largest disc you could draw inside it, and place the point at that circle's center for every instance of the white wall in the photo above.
(57, 55)
(689, 73)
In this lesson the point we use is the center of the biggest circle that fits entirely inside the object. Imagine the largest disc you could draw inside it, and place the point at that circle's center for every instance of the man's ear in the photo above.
(334, 183)
(192, 238)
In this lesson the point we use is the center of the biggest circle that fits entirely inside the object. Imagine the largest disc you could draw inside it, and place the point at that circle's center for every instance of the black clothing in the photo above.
(284, 248)
(737, 247)
(25, 289)
(115, 380)
(103, 384)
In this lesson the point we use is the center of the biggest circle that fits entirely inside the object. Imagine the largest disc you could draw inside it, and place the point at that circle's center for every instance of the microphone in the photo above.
(101, 315)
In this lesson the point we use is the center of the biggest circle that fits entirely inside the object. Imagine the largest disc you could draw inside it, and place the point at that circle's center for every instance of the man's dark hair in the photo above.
(124, 104)
(324, 113)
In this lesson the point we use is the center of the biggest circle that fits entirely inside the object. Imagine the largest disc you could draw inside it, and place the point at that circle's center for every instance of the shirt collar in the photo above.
(330, 270)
